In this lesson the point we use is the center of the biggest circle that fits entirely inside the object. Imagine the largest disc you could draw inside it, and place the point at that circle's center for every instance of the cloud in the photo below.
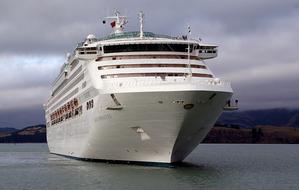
(25, 71)
(23, 97)
(262, 64)
(53, 26)
(26, 80)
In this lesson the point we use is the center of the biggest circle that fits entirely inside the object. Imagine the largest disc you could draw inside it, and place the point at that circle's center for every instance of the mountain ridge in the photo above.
(251, 118)
(30, 134)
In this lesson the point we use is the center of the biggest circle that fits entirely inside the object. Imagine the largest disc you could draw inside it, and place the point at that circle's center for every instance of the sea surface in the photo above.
(210, 166)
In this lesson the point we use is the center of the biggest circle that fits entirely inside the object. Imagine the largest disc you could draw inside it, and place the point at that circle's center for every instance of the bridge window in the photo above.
(147, 47)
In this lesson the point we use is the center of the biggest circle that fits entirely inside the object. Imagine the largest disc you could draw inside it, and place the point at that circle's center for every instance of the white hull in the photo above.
(170, 131)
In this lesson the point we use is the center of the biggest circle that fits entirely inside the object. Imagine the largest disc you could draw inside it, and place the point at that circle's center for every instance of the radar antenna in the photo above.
(118, 22)
(141, 15)
(189, 65)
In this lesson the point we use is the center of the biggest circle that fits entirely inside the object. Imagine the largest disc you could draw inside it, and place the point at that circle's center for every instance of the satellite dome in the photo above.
(91, 37)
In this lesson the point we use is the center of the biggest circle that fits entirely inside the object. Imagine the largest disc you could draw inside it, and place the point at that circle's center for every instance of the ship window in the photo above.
(162, 75)
(89, 104)
(146, 47)
(91, 52)
(84, 84)
(150, 65)
(119, 57)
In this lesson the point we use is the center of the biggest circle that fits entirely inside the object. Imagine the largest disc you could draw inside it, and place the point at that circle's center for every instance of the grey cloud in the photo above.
(54, 26)
(19, 71)
(272, 45)
(25, 80)
(277, 94)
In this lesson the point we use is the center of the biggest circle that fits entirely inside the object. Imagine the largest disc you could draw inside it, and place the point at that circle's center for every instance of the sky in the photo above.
(258, 46)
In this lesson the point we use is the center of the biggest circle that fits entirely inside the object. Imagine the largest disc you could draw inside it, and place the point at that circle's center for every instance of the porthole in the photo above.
(188, 106)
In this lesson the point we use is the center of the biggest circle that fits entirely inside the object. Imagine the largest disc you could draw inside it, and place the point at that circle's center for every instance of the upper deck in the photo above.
(130, 43)
(139, 49)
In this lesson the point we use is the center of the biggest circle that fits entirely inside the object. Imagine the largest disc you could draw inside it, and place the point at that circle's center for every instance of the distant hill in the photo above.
(32, 134)
(6, 131)
(256, 126)
(262, 134)
(250, 119)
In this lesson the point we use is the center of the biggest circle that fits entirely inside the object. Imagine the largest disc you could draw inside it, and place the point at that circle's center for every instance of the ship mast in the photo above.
(141, 15)
(189, 66)
(118, 22)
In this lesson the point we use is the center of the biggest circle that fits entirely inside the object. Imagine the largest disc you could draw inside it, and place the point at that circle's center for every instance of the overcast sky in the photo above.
(258, 45)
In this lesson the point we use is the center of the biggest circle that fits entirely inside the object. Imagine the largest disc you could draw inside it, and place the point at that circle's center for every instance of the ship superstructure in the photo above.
(134, 96)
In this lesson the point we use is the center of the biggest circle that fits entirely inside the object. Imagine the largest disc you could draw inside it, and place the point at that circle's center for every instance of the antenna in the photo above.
(189, 66)
(141, 15)
(118, 22)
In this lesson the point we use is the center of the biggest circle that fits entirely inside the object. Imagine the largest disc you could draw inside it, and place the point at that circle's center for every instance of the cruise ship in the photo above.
(134, 97)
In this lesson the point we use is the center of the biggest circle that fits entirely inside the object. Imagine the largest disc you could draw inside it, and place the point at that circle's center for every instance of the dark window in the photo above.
(91, 52)
(89, 104)
(90, 48)
(147, 47)
(149, 65)
(162, 75)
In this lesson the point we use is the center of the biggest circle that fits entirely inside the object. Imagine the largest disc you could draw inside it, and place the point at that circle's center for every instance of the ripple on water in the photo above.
(210, 166)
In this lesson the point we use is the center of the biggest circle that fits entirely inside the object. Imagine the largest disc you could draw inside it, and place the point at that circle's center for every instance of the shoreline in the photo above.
(260, 134)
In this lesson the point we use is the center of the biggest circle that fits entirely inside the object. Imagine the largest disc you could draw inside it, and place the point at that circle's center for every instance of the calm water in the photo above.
(30, 166)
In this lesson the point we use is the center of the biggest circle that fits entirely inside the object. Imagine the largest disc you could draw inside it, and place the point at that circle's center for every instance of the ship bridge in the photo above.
(131, 43)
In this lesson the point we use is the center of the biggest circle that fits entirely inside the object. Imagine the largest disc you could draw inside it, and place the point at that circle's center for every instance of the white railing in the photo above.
(115, 83)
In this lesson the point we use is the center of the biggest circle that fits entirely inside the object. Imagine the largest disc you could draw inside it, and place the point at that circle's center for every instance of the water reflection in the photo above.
(209, 167)
(182, 176)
